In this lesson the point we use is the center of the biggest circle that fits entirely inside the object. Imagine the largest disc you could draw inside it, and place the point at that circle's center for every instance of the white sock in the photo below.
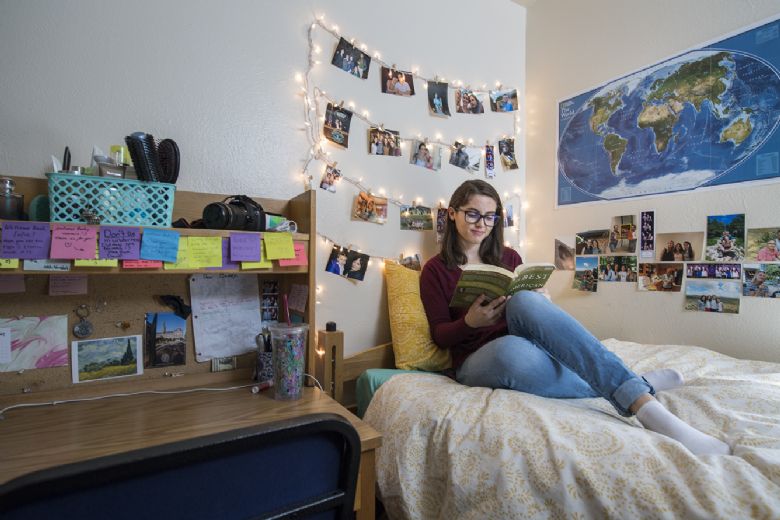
(654, 416)
(664, 379)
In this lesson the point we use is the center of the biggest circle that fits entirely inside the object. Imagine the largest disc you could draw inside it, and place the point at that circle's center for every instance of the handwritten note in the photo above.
(205, 251)
(120, 242)
(67, 284)
(141, 264)
(279, 245)
(183, 260)
(227, 263)
(299, 295)
(25, 240)
(46, 265)
(264, 263)
(69, 241)
(159, 244)
(97, 262)
(300, 256)
(245, 247)
(9, 263)
(12, 283)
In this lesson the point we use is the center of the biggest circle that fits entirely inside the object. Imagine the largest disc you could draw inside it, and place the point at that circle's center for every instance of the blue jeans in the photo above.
(550, 354)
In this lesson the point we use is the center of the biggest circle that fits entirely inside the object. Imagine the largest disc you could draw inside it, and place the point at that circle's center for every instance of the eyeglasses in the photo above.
(472, 216)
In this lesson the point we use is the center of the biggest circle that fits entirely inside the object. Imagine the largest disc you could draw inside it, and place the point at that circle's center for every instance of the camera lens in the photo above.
(217, 215)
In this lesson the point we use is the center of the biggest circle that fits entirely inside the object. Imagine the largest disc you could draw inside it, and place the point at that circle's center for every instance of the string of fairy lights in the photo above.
(314, 117)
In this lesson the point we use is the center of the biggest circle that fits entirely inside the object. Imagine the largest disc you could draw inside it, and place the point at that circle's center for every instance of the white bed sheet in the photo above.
(450, 451)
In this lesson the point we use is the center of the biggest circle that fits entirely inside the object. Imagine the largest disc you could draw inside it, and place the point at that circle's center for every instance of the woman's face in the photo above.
(356, 264)
(760, 277)
(473, 234)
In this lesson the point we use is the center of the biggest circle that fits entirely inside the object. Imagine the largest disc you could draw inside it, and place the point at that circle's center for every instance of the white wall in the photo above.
(218, 77)
(573, 46)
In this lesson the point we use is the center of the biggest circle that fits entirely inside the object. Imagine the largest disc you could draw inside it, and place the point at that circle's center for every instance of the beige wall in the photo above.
(219, 78)
(573, 46)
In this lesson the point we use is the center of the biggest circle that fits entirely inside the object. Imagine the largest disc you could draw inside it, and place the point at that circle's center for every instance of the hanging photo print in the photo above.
(660, 277)
(413, 262)
(337, 122)
(330, 178)
(384, 142)
(416, 218)
(618, 269)
(592, 242)
(763, 244)
(357, 263)
(397, 82)
(337, 261)
(490, 162)
(679, 247)
(351, 60)
(427, 155)
(503, 100)
(586, 274)
(437, 98)
(468, 102)
(441, 221)
(370, 208)
(106, 358)
(761, 280)
(647, 234)
(564, 255)
(725, 238)
(465, 157)
(712, 295)
(509, 216)
(506, 149)
(622, 235)
(165, 341)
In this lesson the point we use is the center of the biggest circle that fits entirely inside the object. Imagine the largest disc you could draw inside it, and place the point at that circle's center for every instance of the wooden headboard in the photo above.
(380, 356)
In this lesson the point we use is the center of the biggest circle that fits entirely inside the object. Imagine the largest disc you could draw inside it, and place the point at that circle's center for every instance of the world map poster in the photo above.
(705, 118)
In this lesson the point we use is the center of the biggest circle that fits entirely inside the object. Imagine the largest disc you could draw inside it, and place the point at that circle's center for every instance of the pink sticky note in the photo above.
(73, 242)
(67, 284)
(12, 283)
(142, 264)
(300, 256)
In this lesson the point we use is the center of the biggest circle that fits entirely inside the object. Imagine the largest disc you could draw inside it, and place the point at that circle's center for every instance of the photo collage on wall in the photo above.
(714, 268)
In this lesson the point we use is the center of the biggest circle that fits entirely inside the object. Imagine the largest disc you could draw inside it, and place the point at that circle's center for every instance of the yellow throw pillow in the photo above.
(412, 344)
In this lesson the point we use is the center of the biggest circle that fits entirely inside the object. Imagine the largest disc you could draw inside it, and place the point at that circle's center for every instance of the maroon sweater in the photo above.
(448, 325)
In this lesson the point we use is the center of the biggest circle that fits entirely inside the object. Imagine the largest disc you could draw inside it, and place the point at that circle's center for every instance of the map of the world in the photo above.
(704, 118)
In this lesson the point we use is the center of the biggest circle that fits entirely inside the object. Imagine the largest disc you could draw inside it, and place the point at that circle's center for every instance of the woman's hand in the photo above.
(480, 315)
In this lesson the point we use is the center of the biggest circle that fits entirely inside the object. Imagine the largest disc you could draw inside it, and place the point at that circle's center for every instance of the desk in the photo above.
(32, 439)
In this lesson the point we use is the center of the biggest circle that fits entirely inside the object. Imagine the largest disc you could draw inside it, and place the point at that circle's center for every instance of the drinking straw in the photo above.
(286, 309)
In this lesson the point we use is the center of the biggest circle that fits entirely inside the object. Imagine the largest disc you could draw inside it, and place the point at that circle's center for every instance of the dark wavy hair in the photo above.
(491, 249)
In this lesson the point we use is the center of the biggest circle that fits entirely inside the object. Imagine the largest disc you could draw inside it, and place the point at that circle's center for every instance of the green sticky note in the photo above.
(97, 262)
(205, 251)
(279, 245)
(9, 263)
(264, 262)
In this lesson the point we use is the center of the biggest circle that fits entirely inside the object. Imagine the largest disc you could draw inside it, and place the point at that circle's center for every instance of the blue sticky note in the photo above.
(159, 244)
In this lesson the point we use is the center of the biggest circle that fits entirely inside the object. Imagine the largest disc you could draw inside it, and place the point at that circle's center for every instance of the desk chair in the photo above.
(304, 467)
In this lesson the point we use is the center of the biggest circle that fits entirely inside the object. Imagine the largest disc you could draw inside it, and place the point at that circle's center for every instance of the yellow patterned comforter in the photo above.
(452, 452)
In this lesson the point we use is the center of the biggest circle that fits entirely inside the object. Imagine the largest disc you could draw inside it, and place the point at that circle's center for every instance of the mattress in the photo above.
(451, 451)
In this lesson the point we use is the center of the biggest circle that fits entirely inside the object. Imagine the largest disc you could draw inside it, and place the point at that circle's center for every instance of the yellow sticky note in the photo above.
(279, 245)
(205, 251)
(264, 262)
(106, 262)
(9, 263)
(182, 256)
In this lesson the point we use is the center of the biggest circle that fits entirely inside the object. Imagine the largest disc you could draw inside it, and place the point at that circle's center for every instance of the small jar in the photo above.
(11, 204)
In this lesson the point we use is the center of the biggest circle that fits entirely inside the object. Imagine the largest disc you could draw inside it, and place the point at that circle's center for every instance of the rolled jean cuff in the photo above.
(629, 392)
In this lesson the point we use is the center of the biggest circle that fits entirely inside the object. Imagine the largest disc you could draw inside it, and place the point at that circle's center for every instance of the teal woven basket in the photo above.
(120, 202)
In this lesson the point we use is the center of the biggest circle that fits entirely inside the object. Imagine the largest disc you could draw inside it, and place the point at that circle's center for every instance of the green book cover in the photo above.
(494, 281)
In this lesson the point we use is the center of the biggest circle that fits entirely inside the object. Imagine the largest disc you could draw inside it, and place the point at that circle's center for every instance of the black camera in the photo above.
(236, 212)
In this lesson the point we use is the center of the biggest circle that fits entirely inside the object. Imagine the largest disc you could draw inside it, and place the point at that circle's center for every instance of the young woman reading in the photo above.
(525, 342)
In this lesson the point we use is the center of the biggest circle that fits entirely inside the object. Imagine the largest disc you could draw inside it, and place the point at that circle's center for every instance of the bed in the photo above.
(451, 451)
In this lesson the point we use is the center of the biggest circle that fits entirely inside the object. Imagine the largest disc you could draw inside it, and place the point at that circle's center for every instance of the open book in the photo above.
(493, 281)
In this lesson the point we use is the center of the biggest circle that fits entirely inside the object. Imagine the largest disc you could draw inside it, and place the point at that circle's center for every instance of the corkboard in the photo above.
(115, 301)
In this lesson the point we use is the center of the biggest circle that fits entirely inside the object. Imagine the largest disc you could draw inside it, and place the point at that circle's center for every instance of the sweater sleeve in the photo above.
(436, 288)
